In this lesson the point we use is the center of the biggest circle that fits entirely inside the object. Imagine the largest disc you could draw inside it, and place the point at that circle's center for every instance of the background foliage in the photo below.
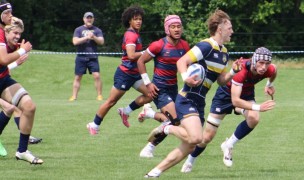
(277, 24)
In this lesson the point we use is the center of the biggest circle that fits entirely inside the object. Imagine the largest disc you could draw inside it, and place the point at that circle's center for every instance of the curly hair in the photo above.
(15, 23)
(131, 12)
(215, 19)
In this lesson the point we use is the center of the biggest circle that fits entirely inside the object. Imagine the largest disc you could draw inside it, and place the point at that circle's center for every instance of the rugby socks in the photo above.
(17, 121)
(23, 142)
(97, 121)
(3, 121)
(133, 106)
(159, 139)
(242, 130)
(197, 151)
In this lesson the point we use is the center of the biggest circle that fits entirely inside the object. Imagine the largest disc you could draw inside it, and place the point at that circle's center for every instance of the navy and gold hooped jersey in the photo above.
(214, 58)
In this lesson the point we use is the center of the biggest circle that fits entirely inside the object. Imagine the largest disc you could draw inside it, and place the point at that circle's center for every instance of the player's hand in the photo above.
(153, 90)
(90, 35)
(269, 91)
(267, 105)
(27, 46)
(192, 82)
(237, 65)
(22, 59)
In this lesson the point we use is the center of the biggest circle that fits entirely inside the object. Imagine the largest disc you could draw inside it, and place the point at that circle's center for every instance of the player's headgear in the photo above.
(170, 19)
(4, 7)
(261, 53)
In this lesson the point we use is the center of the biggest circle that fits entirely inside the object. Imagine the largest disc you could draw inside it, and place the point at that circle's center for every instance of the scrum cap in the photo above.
(261, 53)
(170, 19)
(4, 7)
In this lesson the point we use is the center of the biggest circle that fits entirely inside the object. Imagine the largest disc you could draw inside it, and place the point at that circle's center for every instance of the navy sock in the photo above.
(134, 106)
(3, 121)
(242, 130)
(98, 120)
(23, 142)
(197, 151)
(17, 120)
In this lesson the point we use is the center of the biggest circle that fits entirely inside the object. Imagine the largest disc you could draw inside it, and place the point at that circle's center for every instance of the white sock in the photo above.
(127, 110)
(190, 159)
(150, 113)
(231, 141)
(155, 172)
(166, 129)
(150, 146)
(95, 126)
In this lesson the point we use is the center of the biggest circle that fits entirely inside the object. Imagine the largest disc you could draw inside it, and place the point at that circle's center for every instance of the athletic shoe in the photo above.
(34, 140)
(3, 152)
(29, 157)
(149, 176)
(146, 153)
(124, 117)
(99, 98)
(143, 114)
(227, 151)
(72, 98)
(187, 167)
(91, 129)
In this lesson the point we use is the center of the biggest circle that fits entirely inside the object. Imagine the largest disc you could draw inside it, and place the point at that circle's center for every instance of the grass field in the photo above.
(274, 150)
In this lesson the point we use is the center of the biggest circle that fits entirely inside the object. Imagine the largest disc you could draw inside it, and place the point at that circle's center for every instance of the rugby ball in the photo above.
(196, 69)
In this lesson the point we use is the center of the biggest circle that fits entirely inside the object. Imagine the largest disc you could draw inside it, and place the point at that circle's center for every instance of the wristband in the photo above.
(184, 76)
(21, 51)
(145, 78)
(142, 52)
(256, 107)
(269, 84)
(12, 65)
(232, 72)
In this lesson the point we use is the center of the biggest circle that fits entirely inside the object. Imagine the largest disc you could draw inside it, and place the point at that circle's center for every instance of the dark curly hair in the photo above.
(129, 13)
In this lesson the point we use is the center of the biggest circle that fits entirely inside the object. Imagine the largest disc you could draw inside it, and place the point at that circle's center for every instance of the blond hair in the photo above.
(15, 23)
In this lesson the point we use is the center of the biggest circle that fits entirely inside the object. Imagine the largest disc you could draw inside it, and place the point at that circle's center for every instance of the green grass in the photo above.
(274, 150)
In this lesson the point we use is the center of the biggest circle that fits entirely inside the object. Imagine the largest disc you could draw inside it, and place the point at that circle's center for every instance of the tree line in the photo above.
(278, 24)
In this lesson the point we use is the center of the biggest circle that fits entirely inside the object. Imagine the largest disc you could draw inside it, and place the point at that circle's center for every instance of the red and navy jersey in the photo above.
(131, 38)
(165, 57)
(247, 80)
(3, 69)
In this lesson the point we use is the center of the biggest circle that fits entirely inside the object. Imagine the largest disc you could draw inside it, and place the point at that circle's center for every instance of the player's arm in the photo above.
(7, 58)
(143, 59)
(236, 91)
(269, 87)
(18, 62)
(182, 65)
(132, 54)
(225, 77)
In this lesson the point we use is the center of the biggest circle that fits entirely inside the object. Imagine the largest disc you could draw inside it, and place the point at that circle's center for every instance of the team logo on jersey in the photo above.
(167, 53)
(191, 109)
(224, 59)
(215, 55)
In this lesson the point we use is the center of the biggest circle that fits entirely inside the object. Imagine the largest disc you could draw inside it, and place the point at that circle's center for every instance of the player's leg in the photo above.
(19, 97)
(137, 103)
(192, 126)
(242, 130)
(211, 127)
(115, 95)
